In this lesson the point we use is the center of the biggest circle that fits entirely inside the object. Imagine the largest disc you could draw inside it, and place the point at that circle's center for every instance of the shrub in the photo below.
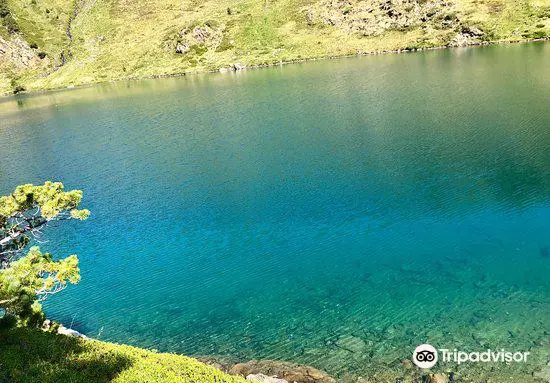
(7, 321)
(4, 9)
(198, 49)
(10, 23)
(224, 45)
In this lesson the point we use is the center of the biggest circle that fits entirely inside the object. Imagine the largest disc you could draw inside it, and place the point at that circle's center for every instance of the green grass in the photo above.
(118, 39)
(35, 356)
(43, 22)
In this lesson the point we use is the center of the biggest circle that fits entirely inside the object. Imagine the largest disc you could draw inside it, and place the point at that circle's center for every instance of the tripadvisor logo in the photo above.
(426, 356)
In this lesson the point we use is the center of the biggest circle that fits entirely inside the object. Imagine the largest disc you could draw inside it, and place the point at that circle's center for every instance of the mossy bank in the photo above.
(48, 44)
(30, 356)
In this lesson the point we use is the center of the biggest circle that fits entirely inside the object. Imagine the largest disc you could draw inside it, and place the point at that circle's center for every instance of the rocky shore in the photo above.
(461, 40)
(403, 371)
(271, 371)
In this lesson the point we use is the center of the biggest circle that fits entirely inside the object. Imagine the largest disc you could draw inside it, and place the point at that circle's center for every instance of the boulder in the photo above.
(70, 332)
(286, 371)
(205, 36)
(237, 66)
(472, 31)
(182, 48)
(264, 378)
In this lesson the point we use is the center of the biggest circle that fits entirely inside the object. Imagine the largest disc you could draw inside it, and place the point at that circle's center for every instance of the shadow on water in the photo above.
(24, 354)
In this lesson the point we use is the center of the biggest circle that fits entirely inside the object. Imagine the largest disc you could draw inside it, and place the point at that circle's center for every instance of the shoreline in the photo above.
(270, 370)
(237, 67)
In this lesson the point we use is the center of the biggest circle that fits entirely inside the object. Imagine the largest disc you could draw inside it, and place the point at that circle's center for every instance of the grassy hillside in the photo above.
(36, 356)
(72, 42)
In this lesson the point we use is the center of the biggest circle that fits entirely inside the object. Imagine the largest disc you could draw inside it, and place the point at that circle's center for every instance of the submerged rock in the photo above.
(543, 374)
(289, 372)
(455, 376)
(437, 378)
(352, 344)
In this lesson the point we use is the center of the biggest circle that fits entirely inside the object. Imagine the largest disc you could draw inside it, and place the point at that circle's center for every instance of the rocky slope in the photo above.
(58, 43)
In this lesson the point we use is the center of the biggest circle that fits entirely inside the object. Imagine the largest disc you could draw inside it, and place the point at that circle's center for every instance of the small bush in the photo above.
(10, 23)
(17, 88)
(212, 24)
(7, 321)
(540, 34)
(4, 9)
(198, 49)
(224, 45)
(490, 35)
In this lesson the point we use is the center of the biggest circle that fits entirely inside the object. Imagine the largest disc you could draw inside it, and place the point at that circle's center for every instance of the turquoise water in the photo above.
(335, 213)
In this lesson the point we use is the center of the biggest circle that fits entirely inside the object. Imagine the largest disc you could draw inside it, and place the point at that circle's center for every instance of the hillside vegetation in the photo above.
(58, 43)
(36, 356)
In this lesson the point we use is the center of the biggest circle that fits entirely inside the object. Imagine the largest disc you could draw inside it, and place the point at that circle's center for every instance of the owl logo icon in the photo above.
(425, 356)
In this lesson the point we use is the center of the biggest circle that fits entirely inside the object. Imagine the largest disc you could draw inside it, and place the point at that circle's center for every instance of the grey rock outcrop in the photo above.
(467, 36)
(70, 332)
(18, 52)
(204, 36)
(374, 17)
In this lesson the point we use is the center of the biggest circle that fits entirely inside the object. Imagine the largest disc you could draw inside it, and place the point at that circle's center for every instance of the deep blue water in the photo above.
(335, 213)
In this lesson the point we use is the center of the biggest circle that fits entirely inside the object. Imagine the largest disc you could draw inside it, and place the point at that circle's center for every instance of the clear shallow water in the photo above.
(335, 213)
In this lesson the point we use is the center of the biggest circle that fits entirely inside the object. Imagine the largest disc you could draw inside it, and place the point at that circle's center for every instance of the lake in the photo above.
(334, 213)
